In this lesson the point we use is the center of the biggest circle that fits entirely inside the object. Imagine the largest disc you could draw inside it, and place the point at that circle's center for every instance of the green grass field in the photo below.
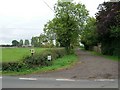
(15, 54)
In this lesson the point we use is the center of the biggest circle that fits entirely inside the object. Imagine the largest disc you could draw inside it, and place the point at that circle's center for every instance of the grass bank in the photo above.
(114, 58)
(61, 63)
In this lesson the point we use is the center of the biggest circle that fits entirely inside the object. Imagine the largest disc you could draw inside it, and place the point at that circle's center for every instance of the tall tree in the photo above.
(21, 43)
(68, 21)
(35, 41)
(89, 35)
(15, 43)
(108, 27)
(27, 42)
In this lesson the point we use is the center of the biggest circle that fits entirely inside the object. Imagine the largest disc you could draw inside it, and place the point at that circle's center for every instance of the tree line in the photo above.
(20, 43)
(104, 29)
(42, 41)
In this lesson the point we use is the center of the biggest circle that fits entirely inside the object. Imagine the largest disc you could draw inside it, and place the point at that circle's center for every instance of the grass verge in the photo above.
(114, 58)
(61, 63)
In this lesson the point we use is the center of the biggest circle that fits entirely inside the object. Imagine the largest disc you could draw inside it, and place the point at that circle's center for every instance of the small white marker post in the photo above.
(49, 58)
(32, 51)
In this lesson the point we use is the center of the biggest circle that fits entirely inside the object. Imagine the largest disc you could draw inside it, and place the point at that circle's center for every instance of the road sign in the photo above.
(49, 58)
(32, 51)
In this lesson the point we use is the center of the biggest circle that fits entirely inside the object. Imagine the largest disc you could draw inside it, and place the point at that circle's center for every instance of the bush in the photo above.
(37, 60)
(111, 47)
(13, 66)
(40, 59)
(57, 53)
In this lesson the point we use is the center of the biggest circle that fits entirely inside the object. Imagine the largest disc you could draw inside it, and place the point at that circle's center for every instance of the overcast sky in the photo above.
(22, 19)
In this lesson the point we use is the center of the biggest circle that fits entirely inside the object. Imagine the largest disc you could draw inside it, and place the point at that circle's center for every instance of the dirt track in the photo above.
(88, 67)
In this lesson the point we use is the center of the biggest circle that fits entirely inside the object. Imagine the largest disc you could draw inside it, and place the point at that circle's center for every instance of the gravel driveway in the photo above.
(88, 67)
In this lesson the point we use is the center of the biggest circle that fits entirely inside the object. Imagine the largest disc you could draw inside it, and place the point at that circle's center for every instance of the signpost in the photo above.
(32, 51)
(49, 58)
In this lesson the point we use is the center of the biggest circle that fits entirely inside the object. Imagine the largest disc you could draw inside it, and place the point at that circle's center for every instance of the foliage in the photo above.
(21, 43)
(108, 27)
(13, 66)
(89, 35)
(26, 42)
(35, 42)
(108, 57)
(69, 18)
(40, 59)
(42, 41)
(60, 63)
(37, 60)
(115, 32)
(6, 45)
(15, 43)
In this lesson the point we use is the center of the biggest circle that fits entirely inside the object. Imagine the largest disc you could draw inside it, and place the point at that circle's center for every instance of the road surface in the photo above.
(21, 82)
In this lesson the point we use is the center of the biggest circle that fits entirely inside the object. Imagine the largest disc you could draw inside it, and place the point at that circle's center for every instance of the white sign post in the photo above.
(49, 58)
(32, 51)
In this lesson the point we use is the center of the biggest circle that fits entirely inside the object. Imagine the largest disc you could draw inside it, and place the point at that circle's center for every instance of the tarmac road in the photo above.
(21, 82)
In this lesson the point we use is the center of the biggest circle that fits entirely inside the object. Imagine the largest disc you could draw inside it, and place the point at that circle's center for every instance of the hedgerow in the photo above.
(33, 61)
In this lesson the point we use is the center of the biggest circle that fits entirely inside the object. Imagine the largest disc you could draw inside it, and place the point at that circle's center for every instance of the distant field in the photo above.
(15, 54)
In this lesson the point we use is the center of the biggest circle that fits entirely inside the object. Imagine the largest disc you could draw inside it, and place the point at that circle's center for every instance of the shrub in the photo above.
(13, 66)
(40, 59)
(111, 47)
(57, 53)
(37, 60)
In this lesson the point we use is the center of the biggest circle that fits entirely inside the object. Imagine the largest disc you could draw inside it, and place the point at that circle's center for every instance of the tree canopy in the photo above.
(26, 42)
(108, 27)
(68, 21)
(15, 43)
(21, 43)
(89, 35)
(108, 17)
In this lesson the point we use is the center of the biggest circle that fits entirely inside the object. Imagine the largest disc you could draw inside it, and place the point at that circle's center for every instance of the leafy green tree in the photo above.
(15, 43)
(27, 42)
(89, 35)
(35, 42)
(43, 38)
(68, 21)
(21, 43)
(39, 41)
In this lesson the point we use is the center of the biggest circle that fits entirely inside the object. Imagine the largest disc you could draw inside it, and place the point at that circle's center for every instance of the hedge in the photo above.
(37, 60)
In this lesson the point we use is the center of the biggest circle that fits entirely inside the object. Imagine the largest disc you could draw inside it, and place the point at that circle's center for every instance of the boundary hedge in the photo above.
(37, 60)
